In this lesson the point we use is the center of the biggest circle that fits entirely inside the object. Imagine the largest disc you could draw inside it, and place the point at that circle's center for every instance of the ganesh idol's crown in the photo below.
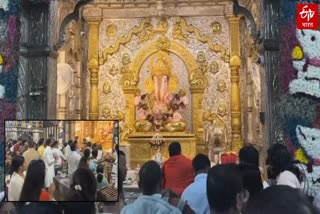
(161, 64)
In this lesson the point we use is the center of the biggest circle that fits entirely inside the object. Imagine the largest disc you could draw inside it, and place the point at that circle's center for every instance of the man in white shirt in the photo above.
(49, 162)
(67, 149)
(73, 159)
(17, 178)
(58, 156)
(114, 171)
(195, 194)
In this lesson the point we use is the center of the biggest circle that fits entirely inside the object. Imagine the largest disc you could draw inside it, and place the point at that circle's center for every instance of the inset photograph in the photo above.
(51, 160)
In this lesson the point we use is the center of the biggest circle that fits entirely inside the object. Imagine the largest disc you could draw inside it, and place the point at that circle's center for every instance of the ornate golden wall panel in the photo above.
(203, 44)
(235, 63)
(141, 151)
(93, 66)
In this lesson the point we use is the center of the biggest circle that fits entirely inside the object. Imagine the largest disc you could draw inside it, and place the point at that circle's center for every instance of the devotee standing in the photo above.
(83, 186)
(41, 147)
(73, 159)
(281, 167)
(32, 189)
(122, 162)
(31, 153)
(115, 170)
(225, 190)
(12, 147)
(280, 199)
(49, 162)
(17, 178)
(250, 155)
(67, 150)
(24, 147)
(58, 156)
(251, 178)
(177, 171)
(84, 162)
(17, 146)
(93, 162)
(100, 152)
(88, 146)
(196, 193)
(102, 181)
(150, 201)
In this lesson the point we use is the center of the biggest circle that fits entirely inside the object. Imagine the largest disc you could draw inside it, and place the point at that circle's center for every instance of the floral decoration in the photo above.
(1, 63)
(4, 5)
(2, 91)
(298, 98)
(300, 156)
(297, 53)
(160, 115)
(1, 60)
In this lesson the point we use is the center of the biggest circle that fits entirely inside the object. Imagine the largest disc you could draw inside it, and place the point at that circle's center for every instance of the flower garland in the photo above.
(297, 98)
(307, 63)
(312, 185)
(9, 40)
(309, 140)
(158, 116)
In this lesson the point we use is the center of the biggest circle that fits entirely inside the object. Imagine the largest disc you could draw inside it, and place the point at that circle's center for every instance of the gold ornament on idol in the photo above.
(161, 64)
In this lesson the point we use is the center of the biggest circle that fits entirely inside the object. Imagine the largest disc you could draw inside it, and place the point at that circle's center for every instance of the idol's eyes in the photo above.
(313, 38)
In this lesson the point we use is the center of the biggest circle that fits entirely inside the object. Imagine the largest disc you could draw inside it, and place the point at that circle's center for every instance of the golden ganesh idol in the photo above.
(159, 109)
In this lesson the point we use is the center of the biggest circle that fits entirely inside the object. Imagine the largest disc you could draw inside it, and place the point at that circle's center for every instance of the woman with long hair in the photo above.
(32, 189)
(84, 162)
(83, 186)
(17, 178)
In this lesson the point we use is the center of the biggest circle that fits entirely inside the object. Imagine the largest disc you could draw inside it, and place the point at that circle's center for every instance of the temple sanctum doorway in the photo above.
(186, 71)
(181, 71)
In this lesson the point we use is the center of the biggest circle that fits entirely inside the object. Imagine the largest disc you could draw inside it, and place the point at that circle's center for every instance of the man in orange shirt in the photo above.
(177, 171)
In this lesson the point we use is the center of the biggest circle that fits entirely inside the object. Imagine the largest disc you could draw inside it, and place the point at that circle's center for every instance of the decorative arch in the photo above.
(130, 91)
(171, 46)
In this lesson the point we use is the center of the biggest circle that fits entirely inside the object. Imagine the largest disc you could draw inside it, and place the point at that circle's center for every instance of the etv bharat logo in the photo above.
(307, 16)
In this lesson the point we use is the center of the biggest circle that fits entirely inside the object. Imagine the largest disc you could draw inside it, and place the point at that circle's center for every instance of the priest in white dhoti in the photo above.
(49, 162)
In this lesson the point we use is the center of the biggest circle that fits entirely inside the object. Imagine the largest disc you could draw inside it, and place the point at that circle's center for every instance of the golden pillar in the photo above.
(93, 66)
(197, 123)
(235, 63)
(236, 139)
(129, 94)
